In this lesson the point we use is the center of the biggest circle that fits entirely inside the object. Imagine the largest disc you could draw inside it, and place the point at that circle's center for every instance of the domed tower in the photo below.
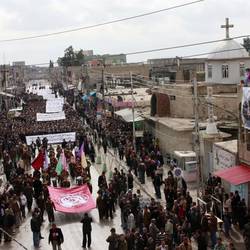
(226, 64)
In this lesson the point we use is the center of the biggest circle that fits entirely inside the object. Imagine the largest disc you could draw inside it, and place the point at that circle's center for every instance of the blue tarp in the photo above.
(85, 98)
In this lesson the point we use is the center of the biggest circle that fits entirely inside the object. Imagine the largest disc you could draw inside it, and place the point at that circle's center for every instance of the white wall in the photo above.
(234, 71)
(222, 158)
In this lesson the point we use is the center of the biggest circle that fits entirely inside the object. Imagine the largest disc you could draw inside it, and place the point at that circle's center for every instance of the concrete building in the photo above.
(88, 52)
(171, 119)
(173, 133)
(35, 72)
(233, 166)
(114, 59)
(176, 70)
(176, 100)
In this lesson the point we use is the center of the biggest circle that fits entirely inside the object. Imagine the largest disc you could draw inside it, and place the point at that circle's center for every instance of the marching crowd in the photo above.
(28, 116)
(169, 220)
(154, 225)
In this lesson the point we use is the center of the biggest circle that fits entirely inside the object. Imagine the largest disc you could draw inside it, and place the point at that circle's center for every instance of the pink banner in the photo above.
(72, 200)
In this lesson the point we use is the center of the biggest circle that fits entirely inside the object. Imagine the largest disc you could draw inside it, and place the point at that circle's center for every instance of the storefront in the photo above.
(237, 178)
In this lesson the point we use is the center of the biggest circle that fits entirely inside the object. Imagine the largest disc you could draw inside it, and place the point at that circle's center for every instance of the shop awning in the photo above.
(127, 115)
(235, 175)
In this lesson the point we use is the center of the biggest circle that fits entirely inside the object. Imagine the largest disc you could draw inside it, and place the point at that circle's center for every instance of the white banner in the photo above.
(222, 158)
(52, 138)
(50, 116)
(245, 107)
(54, 105)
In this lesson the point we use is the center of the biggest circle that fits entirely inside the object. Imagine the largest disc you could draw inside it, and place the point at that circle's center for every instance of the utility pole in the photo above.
(103, 90)
(4, 77)
(197, 137)
(133, 111)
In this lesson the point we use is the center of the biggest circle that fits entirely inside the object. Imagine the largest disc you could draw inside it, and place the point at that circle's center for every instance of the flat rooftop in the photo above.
(230, 146)
(177, 124)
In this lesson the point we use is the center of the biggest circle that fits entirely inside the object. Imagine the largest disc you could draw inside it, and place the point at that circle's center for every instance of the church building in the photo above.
(227, 63)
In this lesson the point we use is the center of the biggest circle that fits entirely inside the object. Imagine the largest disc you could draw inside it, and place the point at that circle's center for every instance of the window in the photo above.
(209, 70)
(242, 69)
(225, 72)
(200, 67)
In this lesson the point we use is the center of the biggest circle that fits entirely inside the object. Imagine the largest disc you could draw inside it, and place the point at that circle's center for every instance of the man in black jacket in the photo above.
(35, 225)
(55, 237)
(86, 230)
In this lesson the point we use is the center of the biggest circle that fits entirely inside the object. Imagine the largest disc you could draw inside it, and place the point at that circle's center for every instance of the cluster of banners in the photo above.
(72, 200)
(67, 200)
(245, 107)
(54, 105)
(50, 116)
(54, 111)
(53, 138)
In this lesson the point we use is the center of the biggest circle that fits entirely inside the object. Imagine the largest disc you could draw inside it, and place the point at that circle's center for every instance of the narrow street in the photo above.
(71, 228)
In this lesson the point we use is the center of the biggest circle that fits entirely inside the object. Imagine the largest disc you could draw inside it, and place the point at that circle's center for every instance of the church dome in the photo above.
(228, 49)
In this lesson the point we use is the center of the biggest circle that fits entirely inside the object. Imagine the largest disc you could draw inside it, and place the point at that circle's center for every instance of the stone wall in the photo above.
(181, 101)
(169, 139)
(119, 70)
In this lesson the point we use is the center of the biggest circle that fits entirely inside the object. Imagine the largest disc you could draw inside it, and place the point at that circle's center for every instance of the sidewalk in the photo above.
(147, 189)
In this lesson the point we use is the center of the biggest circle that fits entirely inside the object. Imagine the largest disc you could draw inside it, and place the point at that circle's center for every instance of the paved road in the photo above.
(71, 228)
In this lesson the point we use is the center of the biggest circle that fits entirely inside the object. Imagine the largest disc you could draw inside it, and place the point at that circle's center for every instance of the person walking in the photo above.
(28, 192)
(49, 206)
(35, 224)
(130, 180)
(23, 203)
(56, 237)
(86, 230)
(113, 240)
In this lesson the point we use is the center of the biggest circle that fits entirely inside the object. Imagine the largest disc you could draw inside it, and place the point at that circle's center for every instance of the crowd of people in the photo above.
(25, 191)
(151, 226)
(28, 116)
(171, 219)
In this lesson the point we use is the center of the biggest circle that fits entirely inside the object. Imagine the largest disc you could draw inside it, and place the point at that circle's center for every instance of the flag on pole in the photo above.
(83, 158)
(59, 166)
(77, 152)
(64, 162)
(46, 160)
(38, 161)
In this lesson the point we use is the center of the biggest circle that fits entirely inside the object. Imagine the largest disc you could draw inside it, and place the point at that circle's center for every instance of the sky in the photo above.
(190, 24)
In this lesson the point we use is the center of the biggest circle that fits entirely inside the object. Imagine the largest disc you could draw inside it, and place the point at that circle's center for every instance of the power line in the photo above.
(100, 24)
(174, 47)
(215, 52)
(183, 46)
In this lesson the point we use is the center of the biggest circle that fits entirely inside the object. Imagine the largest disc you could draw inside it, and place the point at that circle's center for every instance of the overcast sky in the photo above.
(198, 22)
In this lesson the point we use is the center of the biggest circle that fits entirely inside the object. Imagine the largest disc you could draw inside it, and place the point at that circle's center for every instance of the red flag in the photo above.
(72, 200)
(38, 161)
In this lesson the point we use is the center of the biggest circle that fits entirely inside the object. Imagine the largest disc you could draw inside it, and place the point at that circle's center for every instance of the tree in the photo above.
(246, 44)
(71, 58)
(80, 57)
